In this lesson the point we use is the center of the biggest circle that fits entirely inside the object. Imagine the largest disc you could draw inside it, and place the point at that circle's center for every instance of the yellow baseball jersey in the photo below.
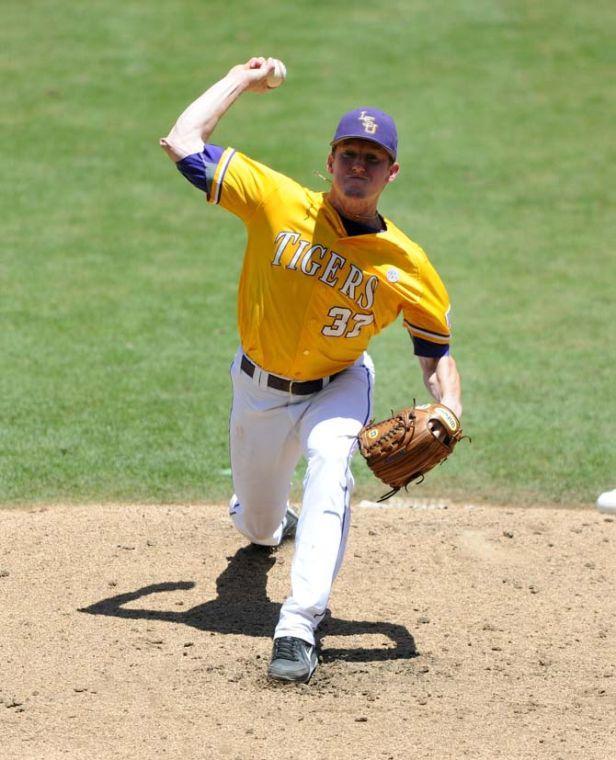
(310, 296)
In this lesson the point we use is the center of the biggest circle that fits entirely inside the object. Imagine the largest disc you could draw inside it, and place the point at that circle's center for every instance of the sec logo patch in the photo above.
(393, 275)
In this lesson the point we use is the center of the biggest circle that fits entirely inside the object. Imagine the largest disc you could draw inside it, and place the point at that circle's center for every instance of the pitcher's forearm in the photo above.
(442, 380)
(198, 121)
(195, 125)
(450, 385)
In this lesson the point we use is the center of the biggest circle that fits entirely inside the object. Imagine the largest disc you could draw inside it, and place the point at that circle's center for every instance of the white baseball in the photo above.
(278, 75)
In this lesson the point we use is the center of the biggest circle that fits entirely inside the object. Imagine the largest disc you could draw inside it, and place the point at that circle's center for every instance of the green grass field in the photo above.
(117, 318)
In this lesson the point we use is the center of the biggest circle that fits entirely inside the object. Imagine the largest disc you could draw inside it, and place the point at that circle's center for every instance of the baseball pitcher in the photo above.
(322, 273)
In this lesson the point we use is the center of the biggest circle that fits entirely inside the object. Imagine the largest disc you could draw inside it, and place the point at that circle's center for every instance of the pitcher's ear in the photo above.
(394, 170)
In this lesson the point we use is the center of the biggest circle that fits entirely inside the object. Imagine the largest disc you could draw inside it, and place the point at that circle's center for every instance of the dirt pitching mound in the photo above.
(456, 632)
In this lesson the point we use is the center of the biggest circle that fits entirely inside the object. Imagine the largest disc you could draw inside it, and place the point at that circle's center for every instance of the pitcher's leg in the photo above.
(330, 429)
(264, 450)
(319, 544)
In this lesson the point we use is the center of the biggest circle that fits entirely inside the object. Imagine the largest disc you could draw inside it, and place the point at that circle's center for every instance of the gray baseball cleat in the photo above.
(293, 659)
(290, 524)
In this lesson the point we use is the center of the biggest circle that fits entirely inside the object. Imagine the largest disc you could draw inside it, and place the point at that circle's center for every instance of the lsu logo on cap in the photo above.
(369, 124)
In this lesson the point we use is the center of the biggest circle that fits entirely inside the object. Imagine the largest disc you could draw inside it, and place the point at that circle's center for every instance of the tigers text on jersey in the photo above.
(310, 296)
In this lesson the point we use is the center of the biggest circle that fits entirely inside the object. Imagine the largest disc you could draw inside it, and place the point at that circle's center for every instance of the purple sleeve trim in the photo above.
(199, 168)
(427, 348)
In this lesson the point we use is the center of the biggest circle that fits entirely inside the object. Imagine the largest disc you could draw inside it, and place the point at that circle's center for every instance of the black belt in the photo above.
(299, 388)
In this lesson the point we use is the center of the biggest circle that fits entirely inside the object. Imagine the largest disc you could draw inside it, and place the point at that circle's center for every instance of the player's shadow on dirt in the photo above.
(243, 607)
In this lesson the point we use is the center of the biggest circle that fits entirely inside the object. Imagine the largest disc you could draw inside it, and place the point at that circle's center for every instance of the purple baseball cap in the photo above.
(368, 124)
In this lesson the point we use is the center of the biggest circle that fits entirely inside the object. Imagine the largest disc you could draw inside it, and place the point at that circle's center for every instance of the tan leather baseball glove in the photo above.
(404, 447)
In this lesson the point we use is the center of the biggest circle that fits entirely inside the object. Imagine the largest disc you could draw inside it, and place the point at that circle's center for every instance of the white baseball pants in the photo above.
(269, 431)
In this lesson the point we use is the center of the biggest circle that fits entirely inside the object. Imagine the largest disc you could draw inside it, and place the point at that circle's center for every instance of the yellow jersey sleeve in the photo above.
(426, 312)
(241, 185)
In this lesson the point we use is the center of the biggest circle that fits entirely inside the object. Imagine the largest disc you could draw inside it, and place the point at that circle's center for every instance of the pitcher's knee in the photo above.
(256, 522)
(260, 534)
